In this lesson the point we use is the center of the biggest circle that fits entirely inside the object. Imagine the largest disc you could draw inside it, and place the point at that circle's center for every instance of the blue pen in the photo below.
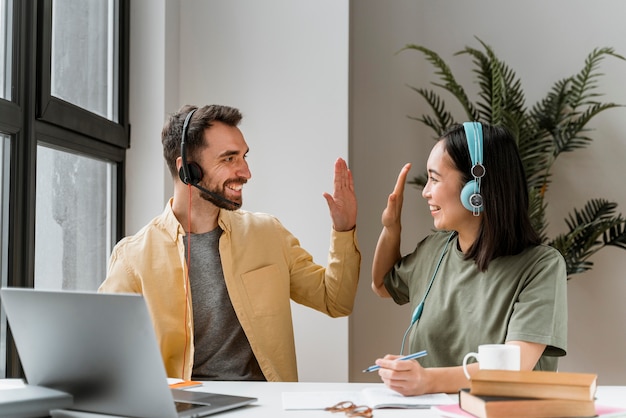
(409, 357)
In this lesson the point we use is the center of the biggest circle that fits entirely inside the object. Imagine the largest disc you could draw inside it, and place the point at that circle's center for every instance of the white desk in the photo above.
(270, 399)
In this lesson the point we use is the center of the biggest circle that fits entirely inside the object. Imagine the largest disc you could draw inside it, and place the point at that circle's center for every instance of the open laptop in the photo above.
(102, 349)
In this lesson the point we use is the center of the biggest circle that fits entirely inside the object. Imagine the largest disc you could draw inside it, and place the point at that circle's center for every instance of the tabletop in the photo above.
(269, 395)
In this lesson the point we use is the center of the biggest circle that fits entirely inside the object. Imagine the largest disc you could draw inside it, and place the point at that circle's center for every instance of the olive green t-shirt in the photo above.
(518, 298)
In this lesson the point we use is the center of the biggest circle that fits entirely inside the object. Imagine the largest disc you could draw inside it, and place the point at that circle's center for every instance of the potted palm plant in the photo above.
(558, 123)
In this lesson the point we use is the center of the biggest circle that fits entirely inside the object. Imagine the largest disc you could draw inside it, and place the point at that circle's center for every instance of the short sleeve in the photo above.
(540, 312)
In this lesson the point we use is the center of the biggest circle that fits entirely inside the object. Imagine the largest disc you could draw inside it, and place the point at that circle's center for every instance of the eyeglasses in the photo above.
(351, 409)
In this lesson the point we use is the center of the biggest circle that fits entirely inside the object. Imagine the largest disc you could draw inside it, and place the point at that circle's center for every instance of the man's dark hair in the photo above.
(202, 119)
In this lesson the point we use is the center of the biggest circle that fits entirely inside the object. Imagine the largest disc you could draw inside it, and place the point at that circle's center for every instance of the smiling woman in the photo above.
(494, 283)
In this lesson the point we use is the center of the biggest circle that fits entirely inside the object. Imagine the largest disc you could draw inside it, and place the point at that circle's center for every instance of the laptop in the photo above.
(101, 348)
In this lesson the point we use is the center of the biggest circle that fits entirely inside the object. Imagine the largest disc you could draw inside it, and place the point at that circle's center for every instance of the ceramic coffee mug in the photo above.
(495, 357)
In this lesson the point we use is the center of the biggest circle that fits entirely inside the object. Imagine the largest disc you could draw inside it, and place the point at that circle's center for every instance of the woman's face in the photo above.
(443, 191)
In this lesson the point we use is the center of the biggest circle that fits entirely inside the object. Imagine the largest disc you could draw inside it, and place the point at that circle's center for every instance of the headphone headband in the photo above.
(186, 174)
(474, 135)
(470, 195)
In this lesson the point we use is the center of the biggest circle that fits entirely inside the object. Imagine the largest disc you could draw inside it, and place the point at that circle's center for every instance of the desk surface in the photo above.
(269, 396)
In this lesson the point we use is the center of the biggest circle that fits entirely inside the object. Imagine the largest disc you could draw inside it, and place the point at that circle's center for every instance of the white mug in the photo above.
(495, 357)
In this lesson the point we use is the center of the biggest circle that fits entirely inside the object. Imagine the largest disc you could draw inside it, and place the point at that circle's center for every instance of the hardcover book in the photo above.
(484, 406)
(535, 384)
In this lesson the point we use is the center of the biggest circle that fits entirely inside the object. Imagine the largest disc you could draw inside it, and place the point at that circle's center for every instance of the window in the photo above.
(84, 64)
(85, 89)
(74, 220)
(6, 68)
(6, 51)
(4, 190)
(63, 139)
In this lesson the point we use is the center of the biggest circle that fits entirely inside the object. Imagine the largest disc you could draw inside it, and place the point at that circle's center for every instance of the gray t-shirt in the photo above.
(222, 350)
(521, 297)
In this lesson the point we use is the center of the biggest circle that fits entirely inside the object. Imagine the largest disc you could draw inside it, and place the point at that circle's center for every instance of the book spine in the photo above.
(531, 391)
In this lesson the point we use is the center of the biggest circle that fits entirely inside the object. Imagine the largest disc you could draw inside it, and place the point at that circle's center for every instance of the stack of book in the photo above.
(529, 394)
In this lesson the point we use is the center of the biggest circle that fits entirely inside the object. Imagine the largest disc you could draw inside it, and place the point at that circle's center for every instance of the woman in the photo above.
(482, 277)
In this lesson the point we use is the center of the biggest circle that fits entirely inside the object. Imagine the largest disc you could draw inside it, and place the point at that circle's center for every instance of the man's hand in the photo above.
(342, 203)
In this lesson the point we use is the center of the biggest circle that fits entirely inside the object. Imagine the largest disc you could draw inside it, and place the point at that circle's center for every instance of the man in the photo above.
(228, 316)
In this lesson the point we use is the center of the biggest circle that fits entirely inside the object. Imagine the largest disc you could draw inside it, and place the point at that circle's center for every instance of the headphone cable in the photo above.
(186, 284)
(417, 314)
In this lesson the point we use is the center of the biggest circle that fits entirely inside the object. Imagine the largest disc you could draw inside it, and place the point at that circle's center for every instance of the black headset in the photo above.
(190, 172)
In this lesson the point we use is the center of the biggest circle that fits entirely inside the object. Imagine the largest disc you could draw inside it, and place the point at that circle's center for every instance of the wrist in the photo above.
(429, 380)
(393, 229)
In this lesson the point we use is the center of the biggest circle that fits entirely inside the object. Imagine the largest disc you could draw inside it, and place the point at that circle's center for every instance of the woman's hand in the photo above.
(406, 377)
(387, 250)
(392, 213)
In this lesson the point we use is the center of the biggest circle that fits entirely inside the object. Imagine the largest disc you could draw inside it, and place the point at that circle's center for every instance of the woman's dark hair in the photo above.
(505, 228)
(203, 118)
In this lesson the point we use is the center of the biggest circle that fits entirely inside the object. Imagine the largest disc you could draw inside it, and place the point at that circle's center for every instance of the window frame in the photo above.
(33, 117)
(59, 112)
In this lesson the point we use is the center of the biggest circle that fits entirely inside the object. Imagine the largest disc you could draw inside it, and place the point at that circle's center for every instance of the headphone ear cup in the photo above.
(467, 193)
(195, 173)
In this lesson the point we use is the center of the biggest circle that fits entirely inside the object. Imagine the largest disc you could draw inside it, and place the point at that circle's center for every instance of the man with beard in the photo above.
(218, 280)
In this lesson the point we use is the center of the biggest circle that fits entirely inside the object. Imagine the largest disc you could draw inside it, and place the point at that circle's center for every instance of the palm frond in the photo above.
(575, 263)
(615, 236)
(549, 112)
(568, 137)
(445, 74)
(508, 95)
(591, 229)
(594, 210)
(442, 120)
(586, 80)
(555, 124)
(537, 209)
(535, 147)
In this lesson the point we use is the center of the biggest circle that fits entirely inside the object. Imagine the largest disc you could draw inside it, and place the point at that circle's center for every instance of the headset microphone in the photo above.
(191, 173)
(214, 195)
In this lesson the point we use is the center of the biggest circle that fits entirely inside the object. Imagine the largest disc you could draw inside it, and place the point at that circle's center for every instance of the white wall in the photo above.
(543, 41)
(284, 64)
(148, 183)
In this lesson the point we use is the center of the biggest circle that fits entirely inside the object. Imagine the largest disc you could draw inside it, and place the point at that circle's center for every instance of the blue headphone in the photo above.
(470, 194)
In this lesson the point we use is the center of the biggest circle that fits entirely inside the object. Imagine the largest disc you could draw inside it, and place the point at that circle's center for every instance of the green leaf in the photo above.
(559, 122)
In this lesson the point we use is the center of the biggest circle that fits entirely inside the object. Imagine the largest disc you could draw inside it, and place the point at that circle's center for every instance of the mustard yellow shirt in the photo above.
(264, 268)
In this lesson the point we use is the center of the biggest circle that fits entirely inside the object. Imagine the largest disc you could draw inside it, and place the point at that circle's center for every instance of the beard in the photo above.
(218, 197)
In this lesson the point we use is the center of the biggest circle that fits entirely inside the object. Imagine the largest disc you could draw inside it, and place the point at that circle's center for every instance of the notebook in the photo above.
(101, 348)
